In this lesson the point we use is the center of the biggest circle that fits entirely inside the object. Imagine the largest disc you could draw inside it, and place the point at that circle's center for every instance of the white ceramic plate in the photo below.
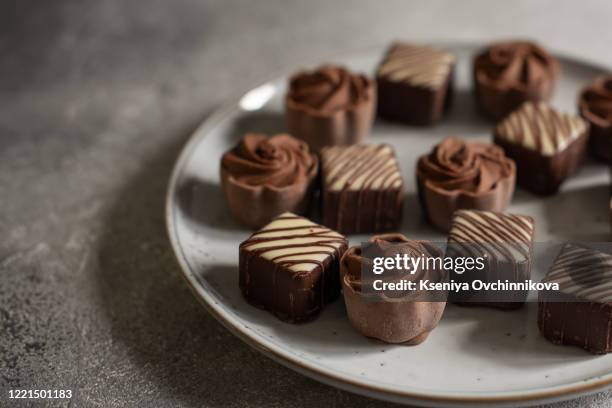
(475, 356)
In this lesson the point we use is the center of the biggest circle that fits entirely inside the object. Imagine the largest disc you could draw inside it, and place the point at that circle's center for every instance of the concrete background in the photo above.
(96, 100)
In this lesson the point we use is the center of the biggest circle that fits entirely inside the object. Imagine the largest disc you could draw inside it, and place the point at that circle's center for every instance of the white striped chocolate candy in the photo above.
(291, 267)
(361, 167)
(584, 273)
(537, 126)
(580, 312)
(504, 242)
(505, 236)
(416, 65)
(362, 188)
(294, 242)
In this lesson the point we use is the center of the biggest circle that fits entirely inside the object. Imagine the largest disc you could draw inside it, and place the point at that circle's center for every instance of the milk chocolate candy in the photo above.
(362, 188)
(595, 105)
(406, 317)
(291, 267)
(509, 73)
(504, 242)
(580, 312)
(330, 106)
(263, 177)
(459, 175)
(547, 146)
(414, 84)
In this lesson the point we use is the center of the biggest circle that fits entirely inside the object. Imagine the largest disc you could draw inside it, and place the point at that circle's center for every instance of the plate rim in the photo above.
(197, 287)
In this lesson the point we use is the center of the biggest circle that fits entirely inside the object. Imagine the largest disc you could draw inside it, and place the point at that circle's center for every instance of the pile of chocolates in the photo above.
(293, 266)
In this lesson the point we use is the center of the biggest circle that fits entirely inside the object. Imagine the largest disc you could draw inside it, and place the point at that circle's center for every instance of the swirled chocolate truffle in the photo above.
(290, 267)
(414, 83)
(595, 105)
(263, 177)
(393, 316)
(548, 146)
(460, 175)
(506, 74)
(330, 106)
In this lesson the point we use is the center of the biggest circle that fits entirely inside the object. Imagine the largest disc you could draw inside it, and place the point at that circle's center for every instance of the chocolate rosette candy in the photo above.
(263, 177)
(393, 316)
(506, 74)
(458, 175)
(595, 105)
(330, 106)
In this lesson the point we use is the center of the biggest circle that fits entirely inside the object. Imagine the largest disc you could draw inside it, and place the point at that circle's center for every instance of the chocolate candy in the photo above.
(459, 175)
(507, 74)
(414, 84)
(330, 106)
(263, 177)
(580, 312)
(595, 105)
(400, 318)
(547, 146)
(505, 242)
(291, 267)
(362, 188)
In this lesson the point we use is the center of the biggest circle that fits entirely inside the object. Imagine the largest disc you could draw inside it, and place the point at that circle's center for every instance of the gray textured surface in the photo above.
(96, 99)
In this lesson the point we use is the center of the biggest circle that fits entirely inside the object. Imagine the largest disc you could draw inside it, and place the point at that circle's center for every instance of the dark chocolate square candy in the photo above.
(547, 146)
(580, 312)
(362, 188)
(290, 267)
(504, 241)
(414, 83)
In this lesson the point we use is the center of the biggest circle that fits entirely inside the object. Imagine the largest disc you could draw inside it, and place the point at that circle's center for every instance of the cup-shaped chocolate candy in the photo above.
(506, 74)
(263, 177)
(330, 106)
(398, 316)
(458, 175)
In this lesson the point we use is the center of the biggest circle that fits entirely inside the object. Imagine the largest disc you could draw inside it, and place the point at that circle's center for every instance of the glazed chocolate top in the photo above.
(295, 242)
(416, 65)
(583, 272)
(329, 89)
(537, 126)
(276, 162)
(471, 168)
(355, 261)
(517, 65)
(360, 167)
(503, 236)
(596, 102)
